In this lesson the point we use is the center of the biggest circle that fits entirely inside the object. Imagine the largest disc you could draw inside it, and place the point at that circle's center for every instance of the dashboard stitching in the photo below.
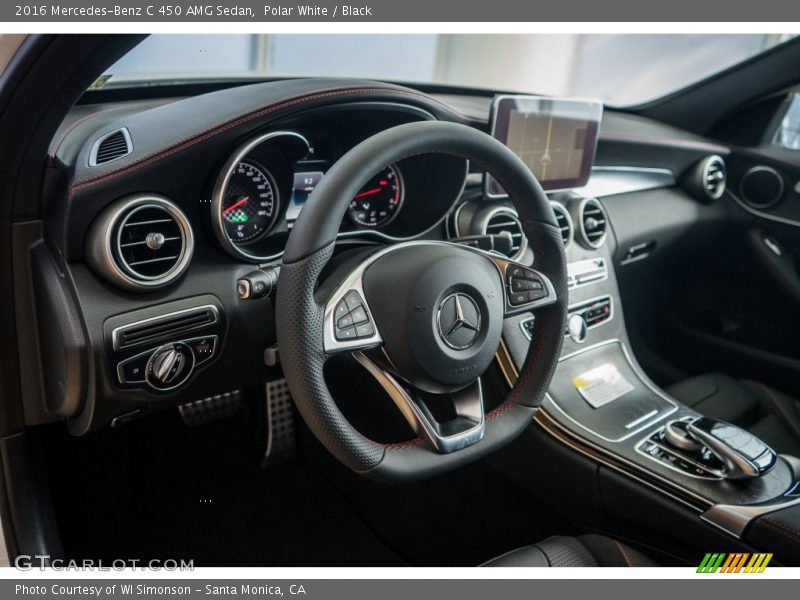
(237, 121)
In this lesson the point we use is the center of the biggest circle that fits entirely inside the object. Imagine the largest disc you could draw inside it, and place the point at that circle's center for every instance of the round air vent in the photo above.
(564, 223)
(714, 177)
(761, 187)
(503, 221)
(143, 242)
(593, 222)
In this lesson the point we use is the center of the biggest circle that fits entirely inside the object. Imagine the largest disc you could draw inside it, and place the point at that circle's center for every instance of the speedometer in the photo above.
(249, 203)
(379, 201)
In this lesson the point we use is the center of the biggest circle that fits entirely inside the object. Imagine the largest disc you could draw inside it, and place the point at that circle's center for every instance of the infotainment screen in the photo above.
(555, 137)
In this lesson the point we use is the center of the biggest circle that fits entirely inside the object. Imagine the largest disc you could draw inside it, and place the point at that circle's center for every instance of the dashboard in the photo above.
(158, 211)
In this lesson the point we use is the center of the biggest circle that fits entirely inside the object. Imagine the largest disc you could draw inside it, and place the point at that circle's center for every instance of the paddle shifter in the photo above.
(741, 453)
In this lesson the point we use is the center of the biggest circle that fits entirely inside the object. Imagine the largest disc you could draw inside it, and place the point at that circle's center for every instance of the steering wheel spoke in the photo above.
(463, 424)
(525, 289)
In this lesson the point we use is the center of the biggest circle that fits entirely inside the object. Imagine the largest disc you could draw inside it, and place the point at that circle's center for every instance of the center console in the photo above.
(723, 480)
(602, 405)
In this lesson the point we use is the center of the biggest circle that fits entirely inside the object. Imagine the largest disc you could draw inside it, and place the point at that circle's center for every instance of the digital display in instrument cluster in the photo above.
(375, 205)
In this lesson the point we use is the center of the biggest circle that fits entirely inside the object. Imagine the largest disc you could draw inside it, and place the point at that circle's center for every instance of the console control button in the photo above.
(203, 348)
(132, 370)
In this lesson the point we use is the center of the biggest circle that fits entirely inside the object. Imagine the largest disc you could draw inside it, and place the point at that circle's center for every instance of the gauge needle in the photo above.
(369, 192)
(239, 202)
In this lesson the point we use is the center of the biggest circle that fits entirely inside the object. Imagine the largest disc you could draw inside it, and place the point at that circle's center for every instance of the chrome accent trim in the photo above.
(659, 417)
(734, 519)
(468, 404)
(611, 181)
(100, 256)
(115, 333)
(608, 459)
(513, 214)
(641, 419)
(96, 146)
(573, 272)
(460, 322)
(759, 169)
(582, 228)
(354, 281)
(221, 184)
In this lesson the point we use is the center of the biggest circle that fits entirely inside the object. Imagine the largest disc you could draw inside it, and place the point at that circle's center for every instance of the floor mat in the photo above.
(161, 490)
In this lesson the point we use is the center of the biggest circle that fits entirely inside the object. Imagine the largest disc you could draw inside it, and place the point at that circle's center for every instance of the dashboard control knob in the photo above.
(169, 366)
(577, 329)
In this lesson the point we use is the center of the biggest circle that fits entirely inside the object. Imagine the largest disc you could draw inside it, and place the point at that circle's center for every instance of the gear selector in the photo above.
(742, 453)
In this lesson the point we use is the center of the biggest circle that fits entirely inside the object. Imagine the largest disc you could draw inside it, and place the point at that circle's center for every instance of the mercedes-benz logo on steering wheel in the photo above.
(459, 320)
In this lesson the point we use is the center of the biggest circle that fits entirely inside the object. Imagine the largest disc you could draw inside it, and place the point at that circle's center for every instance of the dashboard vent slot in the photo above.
(164, 327)
(594, 223)
(714, 177)
(564, 223)
(504, 222)
(111, 146)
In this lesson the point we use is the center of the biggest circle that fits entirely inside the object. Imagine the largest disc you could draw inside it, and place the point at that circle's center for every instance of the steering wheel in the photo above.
(425, 318)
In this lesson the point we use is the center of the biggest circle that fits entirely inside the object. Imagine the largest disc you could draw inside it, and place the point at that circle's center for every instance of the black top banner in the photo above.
(464, 11)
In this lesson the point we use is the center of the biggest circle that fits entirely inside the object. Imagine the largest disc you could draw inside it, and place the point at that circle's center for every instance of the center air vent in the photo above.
(593, 223)
(140, 243)
(504, 222)
(110, 147)
(564, 222)
(714, 177)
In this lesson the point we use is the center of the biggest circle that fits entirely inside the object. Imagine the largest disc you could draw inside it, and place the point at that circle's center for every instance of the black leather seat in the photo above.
(583, 551)
(765, 412)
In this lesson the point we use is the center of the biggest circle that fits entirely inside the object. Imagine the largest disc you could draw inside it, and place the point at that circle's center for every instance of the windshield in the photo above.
(618, 69)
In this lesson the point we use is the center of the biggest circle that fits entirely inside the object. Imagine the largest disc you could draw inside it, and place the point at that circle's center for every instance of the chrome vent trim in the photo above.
(715, 177)
(162, 327)
(140, 242)
(110, 147)
(505, 221)
(593, 223)
(564, 222)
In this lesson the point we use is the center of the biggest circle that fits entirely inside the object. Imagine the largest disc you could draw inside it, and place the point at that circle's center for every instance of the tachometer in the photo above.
(379, 201)
(249, 203)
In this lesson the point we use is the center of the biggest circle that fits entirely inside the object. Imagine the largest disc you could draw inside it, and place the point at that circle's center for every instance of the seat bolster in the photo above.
(585, 551)
(608, 552)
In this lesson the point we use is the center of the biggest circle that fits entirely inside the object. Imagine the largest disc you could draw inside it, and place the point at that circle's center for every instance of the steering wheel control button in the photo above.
(459, 321)
(352, 320)
(353, 300)
(170, 366)
(524, 286)
(364, 330)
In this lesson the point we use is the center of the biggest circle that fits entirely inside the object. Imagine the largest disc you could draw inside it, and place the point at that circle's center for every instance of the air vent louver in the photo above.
(504, 222)
(594, 223)
(564, 222)
(163, 327)
(714, 177)
(149, 242)
(111, 147)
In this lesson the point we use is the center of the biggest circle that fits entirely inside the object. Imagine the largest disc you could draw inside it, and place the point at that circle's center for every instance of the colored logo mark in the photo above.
(737, 562)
